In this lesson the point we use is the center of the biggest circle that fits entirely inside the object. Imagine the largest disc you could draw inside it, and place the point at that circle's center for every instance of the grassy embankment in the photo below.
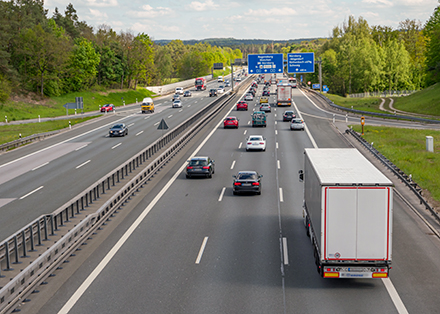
(426, 101)
(406, 148)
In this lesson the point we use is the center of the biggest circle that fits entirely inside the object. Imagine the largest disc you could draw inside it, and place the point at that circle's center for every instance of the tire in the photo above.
(188, 176)
(235, 193)
(210, 175)
(259, 192)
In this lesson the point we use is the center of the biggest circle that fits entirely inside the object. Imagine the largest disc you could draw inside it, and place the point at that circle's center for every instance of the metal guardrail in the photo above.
(26, 140)
(414, 187)
(387, 93)
(382, 115)
(45, 226)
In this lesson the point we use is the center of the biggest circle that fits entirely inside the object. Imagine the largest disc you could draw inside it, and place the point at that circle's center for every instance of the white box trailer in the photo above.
(284, 94)
(348, 207)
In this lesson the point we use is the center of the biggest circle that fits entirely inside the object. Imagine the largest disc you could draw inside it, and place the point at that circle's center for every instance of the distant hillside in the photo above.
(228, 42)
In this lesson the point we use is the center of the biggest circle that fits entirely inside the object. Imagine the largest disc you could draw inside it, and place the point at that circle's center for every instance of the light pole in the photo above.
(320, 73)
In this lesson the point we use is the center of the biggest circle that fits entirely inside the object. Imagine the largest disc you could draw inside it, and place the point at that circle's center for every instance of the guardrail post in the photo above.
(61, 219)
(23, 243)
(72, 212)
(39, 232)
(103, 187)
(77, 206)
(113, 179)
(52, 225)
(8, 259)
(16, 251)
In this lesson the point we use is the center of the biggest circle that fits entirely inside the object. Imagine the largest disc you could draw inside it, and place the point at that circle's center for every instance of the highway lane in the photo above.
(242, 267)
(38, 178)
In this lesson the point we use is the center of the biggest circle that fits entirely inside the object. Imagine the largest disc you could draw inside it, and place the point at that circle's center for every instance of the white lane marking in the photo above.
(146, 117)
(139, 133)
(196, 101)
(285, 253)
(170, 116)
(89, 280)
(84, 163)
(249, 122)
(221, 194)
(245, 131)
(233, 164)
(24, 196)
(65, 141)
(275, 109)
(157, 123)
(278, 164)
(281, 195)
(81, 147)
(131, 124)
(394, 296)
(239, 146)
(276, 132)
(189, 106)
(275, 115)
(180, 110)
(116, 145)
(42, 165)
(276, 145)
(305, 127)
(202, 249)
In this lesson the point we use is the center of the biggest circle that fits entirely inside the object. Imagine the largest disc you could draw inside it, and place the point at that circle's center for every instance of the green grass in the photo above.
(366, 104)
(406, 148)
(11, 132)
(20, 110)
(426, 101)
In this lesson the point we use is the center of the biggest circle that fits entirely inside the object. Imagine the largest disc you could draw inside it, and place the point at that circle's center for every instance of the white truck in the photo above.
(348, 213)
(284, 94)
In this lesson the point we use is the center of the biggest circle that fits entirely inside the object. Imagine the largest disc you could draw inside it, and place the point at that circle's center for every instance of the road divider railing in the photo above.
(34, 235)
(26, 140)
(375, 114)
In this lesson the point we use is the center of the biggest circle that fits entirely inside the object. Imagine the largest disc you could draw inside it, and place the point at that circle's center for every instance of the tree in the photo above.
(141, 59)
(432, 30)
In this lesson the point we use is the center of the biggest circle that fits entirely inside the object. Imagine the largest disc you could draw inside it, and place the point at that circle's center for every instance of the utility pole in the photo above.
(320, 73)
(232, 76)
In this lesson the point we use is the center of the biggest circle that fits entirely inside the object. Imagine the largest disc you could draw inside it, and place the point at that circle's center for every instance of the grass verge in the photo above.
(426, 101)
(9, 133)
(366, 104)
(406, 148)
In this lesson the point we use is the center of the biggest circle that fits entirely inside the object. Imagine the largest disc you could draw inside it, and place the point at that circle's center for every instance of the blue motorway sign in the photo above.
(315, 85)
(303, 62)
(325, 88)
(265, 63)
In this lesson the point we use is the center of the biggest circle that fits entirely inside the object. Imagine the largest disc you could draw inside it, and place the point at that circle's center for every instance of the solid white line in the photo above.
(84, 163)
(400, 307)
(245, 131)
(139, 133)
(84, 286)
(233, 164)
(249, 122)
(170, 116)
(221, 194)
(31, 192)
(305, 127)
(285, 253)
(281, 195)
(239, 146)
(278, 164)
(42, 165)
(116, 145)
(81, 147)
(276, 132)
(157, 123)
(131, 124)
(202, 249)
(276, 145)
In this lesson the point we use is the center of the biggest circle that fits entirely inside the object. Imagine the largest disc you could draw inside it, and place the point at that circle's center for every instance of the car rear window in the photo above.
(198, 163)
(255, 139)
(247, 176)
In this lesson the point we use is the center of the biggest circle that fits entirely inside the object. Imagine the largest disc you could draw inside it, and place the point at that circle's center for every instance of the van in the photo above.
(147, 105)
(220, 79)
(179, 90)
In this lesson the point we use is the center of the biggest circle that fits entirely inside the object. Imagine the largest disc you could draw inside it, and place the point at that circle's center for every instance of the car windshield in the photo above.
(247, 176)
(118, 126)
(198, 162)
(288, 113)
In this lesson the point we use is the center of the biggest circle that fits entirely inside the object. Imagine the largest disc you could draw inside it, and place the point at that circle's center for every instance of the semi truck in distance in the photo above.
(348, 213)
(284, 94)
(200, 83)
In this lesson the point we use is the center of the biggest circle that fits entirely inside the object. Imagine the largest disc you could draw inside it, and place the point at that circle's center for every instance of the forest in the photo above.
(52, 56)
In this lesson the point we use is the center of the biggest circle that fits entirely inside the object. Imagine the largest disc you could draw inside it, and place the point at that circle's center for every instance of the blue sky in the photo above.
(241, 19)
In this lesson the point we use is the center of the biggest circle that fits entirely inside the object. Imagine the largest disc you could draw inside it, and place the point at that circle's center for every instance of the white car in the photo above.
(256, 142)
(297, 124)
(220, 90)
(179, 90)
(238, 79)
(220, 79)
(249, 97)
(177, 103)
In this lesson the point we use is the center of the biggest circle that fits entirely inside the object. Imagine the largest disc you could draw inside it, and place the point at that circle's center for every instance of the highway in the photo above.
(191, 246)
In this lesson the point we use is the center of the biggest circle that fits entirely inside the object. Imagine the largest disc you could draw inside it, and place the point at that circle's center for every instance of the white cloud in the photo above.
(271, 12)
(149, 12)
(369, 14)
(97, 14)
(101, 3)
(202, 6)
(379, 3)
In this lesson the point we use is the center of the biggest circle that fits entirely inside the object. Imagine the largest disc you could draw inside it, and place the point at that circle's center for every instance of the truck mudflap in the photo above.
(354, 272)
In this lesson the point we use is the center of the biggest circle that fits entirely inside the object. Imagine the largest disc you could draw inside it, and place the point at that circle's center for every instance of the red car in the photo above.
(230, 122)
(242, 105)
(107, 108)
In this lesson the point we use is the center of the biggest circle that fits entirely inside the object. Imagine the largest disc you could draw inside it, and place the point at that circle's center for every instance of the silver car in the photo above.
(177, 103)
(297, 124)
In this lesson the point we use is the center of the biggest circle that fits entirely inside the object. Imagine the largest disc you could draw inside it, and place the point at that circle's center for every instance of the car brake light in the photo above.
(255, 183)
(250, 143)
(189, 167)
(237, 183)
(205, 167)
(262, 143)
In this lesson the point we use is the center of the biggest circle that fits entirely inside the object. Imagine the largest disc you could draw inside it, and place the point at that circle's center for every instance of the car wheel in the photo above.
(210, 175)
(259, 192)
(235, 193)
(264, 149)
(188, 176)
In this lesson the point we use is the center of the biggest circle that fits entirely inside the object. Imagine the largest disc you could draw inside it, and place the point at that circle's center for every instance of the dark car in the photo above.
(266, 93)
(175, 97)
(107, 108)
(212, 92)
(247, 181)
(251, 91)
(200, 166)
(288, 115)
(187, 94)
(119, 129)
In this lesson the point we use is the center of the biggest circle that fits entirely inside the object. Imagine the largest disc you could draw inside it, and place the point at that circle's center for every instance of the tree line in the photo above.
(60, 54)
